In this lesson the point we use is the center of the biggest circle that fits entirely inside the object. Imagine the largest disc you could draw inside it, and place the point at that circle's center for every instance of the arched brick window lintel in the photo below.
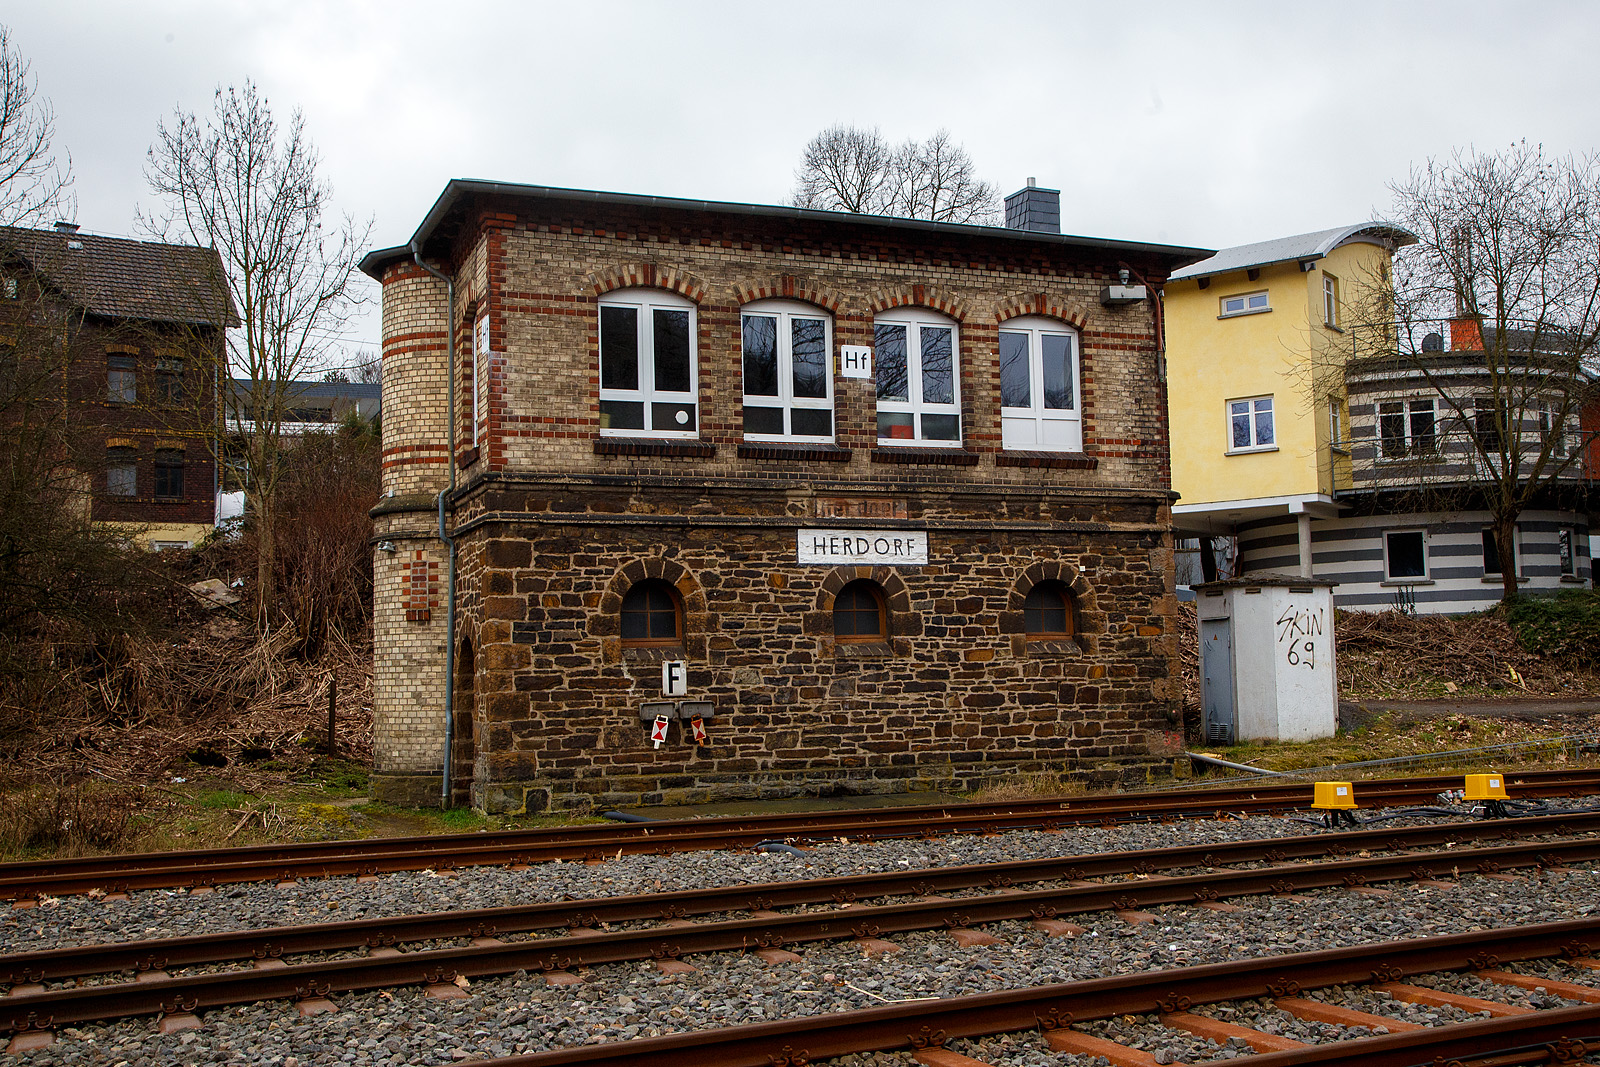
(928, 296)
(646, 275)
(787, 287)
(1049, 305)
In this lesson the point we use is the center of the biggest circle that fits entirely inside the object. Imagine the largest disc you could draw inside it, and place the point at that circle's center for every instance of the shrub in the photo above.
(1565, 627)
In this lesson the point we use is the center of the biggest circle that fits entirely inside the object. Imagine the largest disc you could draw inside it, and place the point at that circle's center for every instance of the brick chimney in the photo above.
(1465, 335)
(1034, 209)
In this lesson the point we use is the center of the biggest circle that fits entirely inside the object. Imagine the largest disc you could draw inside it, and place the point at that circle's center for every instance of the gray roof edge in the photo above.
(1304, 246)
(374, 262)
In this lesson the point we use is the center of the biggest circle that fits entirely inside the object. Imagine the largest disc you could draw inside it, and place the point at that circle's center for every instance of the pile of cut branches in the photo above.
(1389, 654)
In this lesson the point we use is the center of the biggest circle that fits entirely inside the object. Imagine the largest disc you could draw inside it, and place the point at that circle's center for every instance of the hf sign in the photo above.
(855, 361)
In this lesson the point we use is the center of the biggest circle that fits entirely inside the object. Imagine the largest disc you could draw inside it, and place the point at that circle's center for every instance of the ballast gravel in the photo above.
(521, 1013)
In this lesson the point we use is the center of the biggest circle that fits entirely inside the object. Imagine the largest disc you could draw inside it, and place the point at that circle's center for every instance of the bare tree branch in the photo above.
(234, 182)
(1494, 313)
(34, 186)
(845, 168)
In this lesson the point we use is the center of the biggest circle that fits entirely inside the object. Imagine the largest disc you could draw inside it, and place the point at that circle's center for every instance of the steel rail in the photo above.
(276, 942)
(312, 859)
(931, 1023)
(22, 1011)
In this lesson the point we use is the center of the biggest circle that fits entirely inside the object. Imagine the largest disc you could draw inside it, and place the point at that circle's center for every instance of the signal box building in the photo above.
(827, 502)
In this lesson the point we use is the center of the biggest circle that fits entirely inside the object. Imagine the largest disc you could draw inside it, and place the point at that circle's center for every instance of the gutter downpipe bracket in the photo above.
(444, 535)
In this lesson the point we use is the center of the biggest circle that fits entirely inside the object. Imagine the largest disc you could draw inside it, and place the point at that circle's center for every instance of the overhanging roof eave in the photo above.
(373, 263)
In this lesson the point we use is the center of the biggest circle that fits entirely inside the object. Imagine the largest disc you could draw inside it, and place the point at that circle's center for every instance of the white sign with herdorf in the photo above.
(833, 547)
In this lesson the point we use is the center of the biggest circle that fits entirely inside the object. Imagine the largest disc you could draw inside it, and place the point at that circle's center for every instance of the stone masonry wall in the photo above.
(958, 695)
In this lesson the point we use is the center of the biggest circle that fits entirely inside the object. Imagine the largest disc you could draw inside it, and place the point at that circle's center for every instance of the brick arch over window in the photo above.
(1052, 306)
(1082, 602)
(903, 621)
(634, 275)
(787, 287)
(928, 296)
(606, 620)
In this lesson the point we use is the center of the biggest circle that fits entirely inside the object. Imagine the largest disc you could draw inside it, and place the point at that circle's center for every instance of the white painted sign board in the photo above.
(905, 548)
(855, 361)
(674, 678)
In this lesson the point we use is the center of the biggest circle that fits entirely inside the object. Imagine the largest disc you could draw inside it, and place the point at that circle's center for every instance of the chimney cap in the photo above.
(63, 226)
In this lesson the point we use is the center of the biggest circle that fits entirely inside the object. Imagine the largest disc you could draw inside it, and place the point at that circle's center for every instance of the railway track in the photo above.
(1056, 1013)
(124, 873)
(824, 910)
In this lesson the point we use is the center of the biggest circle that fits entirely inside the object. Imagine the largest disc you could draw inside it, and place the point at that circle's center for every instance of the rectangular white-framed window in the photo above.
(1244, 304)
(648, 374)
(1491, 552)
(915, 359)
(1407, 428)
(1405, 556)
(1554, 429)
(1336, 439)
(788, 371)
(1039, 408)
(1330, 301)
(1250, 425)
(480, 361)
(122, 471)
(1567, 550)
(121, 387)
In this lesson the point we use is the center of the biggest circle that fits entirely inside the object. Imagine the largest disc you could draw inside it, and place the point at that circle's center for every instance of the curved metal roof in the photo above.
(1301, 247)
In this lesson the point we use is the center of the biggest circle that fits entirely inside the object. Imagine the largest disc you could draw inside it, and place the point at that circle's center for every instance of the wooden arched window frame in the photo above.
(1047, 613)
(652, 616)
(860, 614)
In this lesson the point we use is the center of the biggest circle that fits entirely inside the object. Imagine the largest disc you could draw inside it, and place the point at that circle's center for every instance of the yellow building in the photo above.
(1256, 345)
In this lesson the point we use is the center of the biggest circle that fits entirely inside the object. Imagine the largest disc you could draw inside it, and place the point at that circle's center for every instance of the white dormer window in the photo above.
(1245, 304)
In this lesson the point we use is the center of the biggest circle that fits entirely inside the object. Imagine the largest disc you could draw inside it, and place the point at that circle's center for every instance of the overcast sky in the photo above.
(1208, 124)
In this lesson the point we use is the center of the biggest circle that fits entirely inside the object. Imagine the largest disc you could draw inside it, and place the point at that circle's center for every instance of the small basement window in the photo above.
(860, 614)
(1047, 613)
(651, 617)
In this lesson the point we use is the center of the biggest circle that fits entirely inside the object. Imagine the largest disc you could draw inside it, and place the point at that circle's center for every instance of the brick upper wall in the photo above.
(538, 275)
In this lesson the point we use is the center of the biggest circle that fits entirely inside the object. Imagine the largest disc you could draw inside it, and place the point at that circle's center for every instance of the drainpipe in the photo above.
(449, 543)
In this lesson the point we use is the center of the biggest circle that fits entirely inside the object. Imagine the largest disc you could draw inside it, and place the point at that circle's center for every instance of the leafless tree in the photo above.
(1508, 257)
(34, 185)
(235, 181)
(846, 168)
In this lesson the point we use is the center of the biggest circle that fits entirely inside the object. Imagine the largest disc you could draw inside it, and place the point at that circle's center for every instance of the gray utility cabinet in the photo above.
(1267, 669)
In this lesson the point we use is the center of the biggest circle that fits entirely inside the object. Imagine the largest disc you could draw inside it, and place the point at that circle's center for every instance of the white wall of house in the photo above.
(1352, 552)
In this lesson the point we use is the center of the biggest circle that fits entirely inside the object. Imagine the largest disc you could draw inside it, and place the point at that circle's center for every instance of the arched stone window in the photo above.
(860, 614)
(1047, 613)
(652, 616)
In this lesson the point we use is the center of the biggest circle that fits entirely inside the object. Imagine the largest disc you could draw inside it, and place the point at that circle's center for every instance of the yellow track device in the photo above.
(1486, 787)
(1333, 796)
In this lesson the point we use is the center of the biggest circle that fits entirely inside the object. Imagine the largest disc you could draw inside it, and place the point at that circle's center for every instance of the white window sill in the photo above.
(1242, 314)
(1494, 579)
(1249, 451)
(779, 439)
(1407, 581)
(908, 442)
(652, 435)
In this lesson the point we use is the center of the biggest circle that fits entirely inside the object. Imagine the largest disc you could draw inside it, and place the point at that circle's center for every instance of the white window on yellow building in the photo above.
(1244, 304)
(1330, 301)
(1250, 425)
